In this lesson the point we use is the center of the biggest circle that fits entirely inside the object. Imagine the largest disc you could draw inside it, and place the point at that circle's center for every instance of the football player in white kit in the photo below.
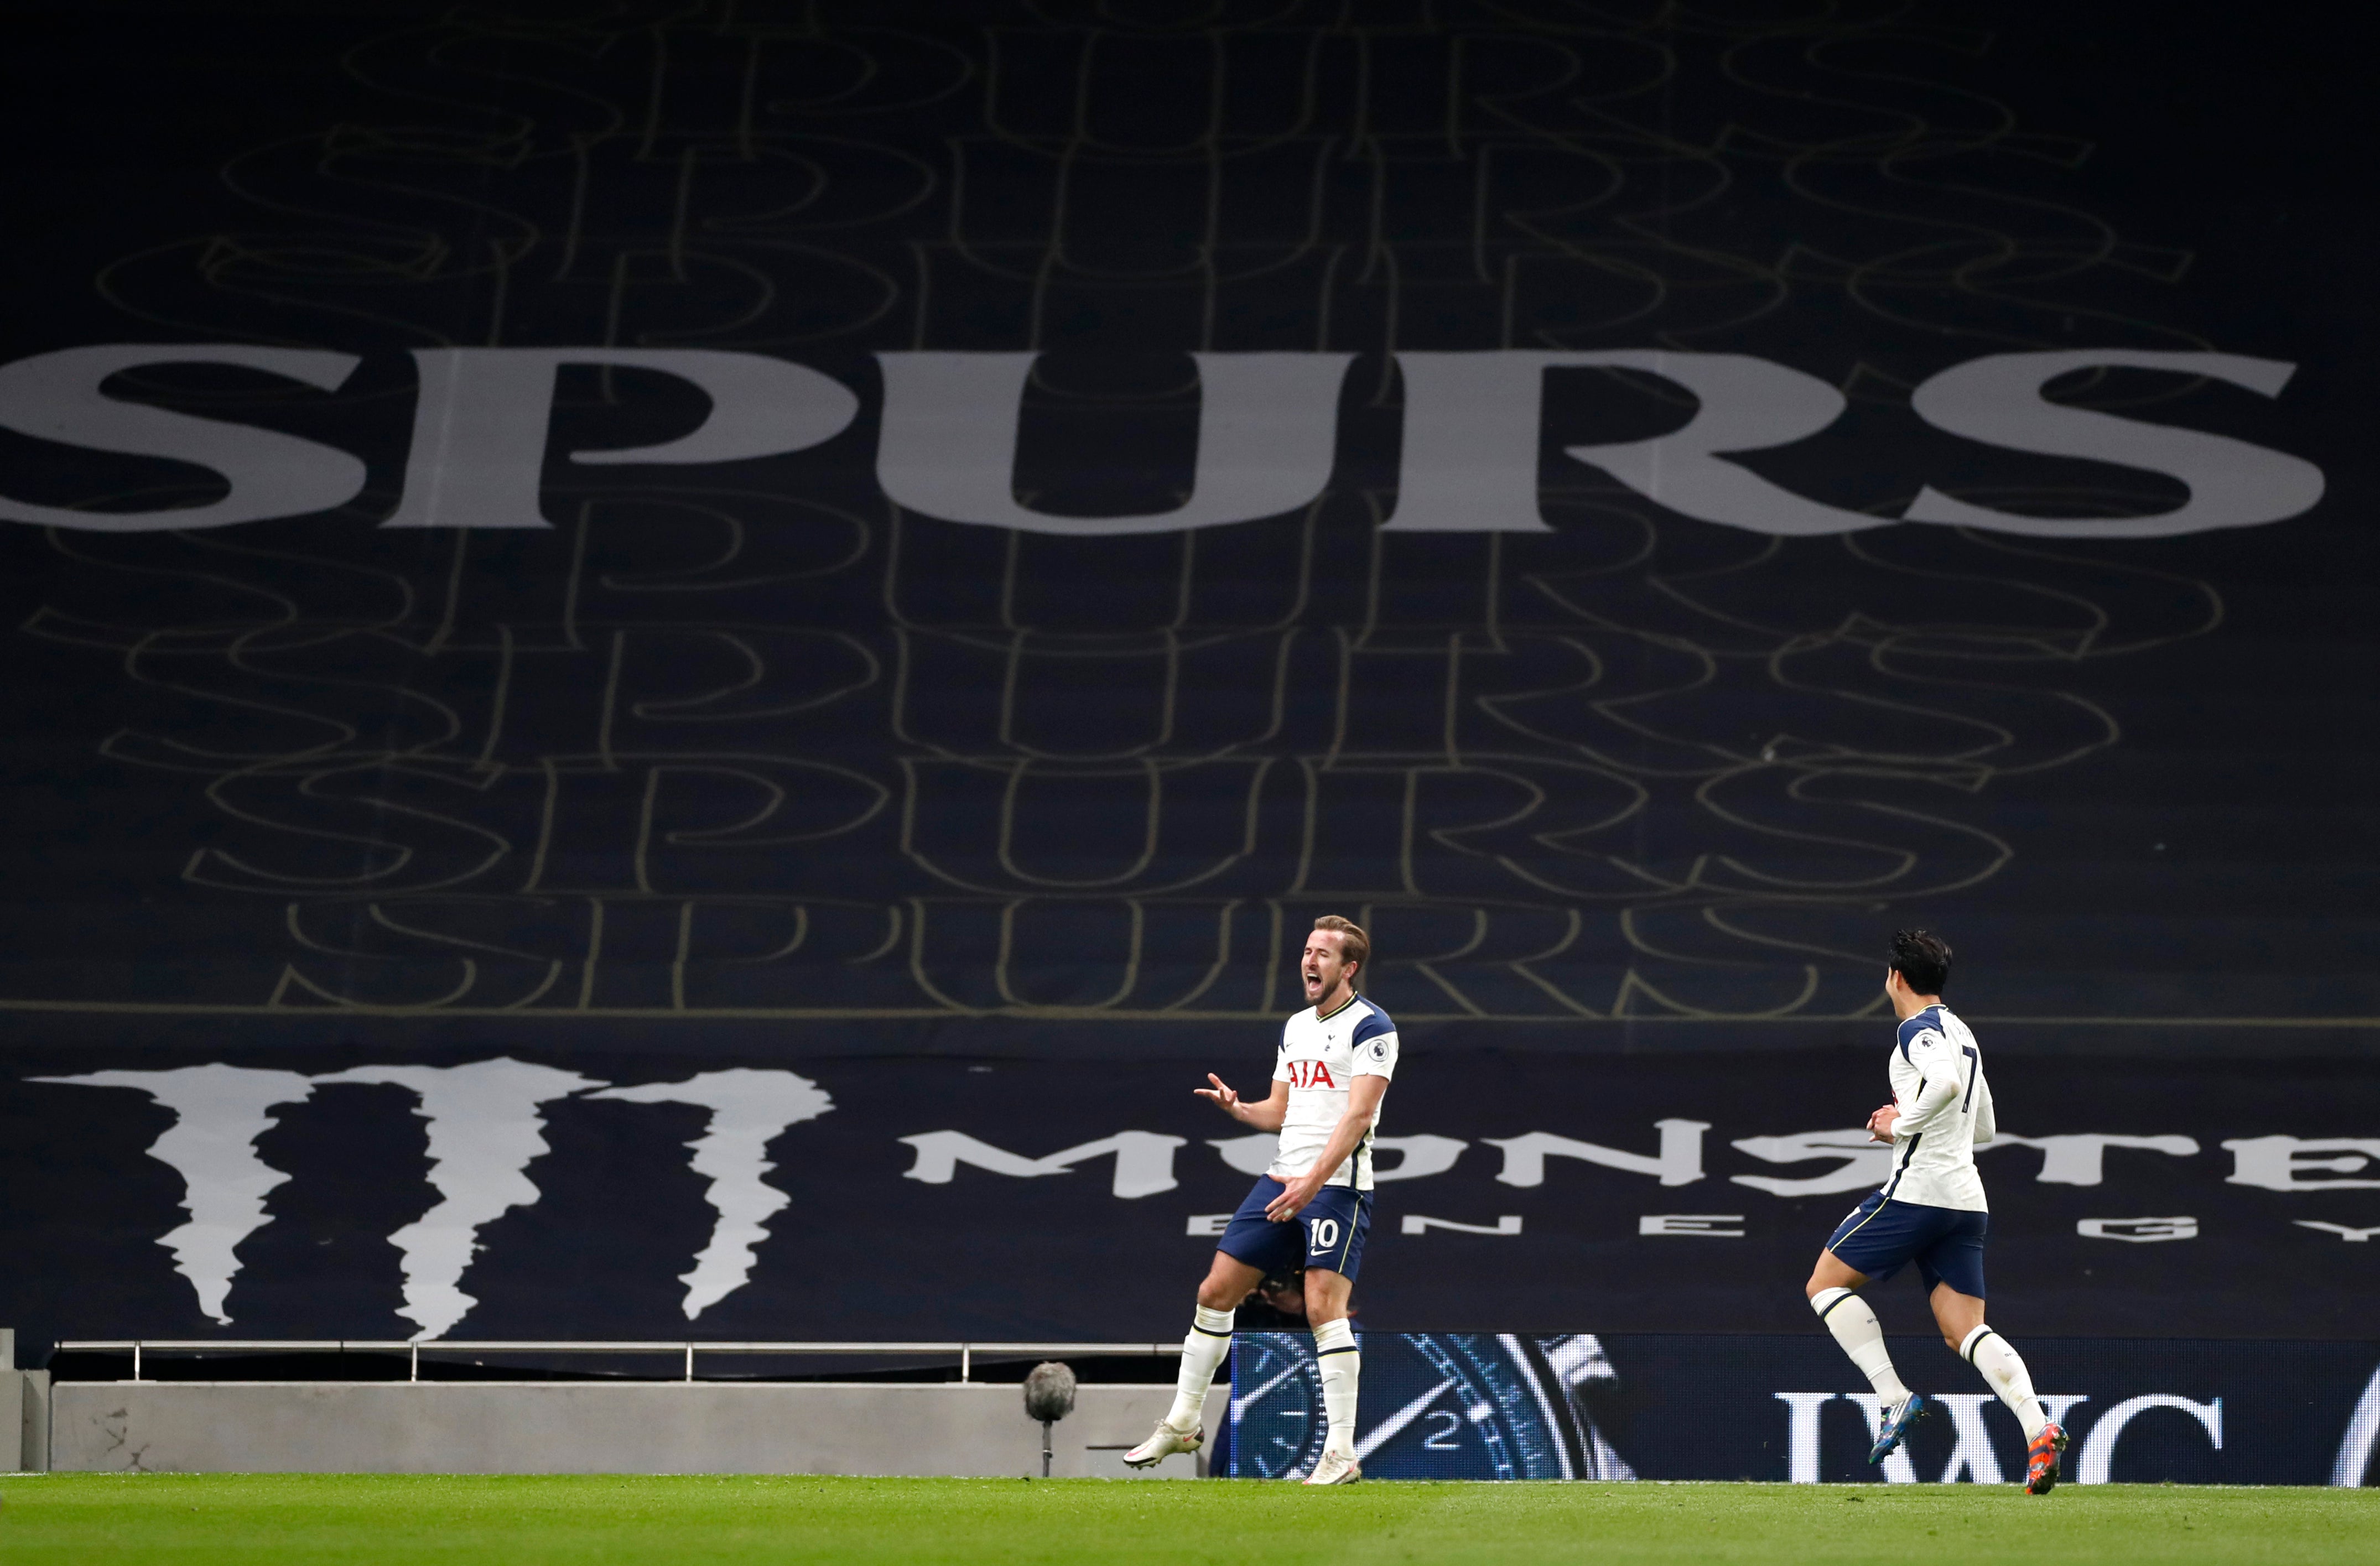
(1314, 1205)
(1931, 1211)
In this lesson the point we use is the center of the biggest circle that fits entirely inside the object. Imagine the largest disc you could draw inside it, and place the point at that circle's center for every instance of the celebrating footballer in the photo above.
(1932, 1212)
(1312, 1206)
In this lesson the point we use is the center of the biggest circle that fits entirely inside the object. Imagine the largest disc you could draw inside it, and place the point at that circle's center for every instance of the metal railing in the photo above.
(414, 1348)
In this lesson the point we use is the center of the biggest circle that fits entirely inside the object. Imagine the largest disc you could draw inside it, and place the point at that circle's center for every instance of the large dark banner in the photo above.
(675, 667)
(638, 1197)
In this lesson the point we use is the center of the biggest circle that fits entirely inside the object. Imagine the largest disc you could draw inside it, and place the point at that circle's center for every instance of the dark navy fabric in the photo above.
(1909, 1030)
(1328, 1235)
(1881, 1237)
(1373, 1025)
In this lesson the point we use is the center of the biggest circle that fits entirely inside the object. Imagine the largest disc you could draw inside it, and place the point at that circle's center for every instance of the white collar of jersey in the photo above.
(1321, 1015)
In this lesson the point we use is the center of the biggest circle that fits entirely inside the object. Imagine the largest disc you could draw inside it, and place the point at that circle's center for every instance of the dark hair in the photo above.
(1922, 958)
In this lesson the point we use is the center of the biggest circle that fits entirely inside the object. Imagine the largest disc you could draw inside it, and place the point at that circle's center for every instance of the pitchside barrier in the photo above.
(1436, 1405)
(1486, 1405)
(518, 1352)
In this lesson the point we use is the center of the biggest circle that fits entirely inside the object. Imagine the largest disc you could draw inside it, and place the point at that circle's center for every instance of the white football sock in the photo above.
(1210, 1341)
(1334, 1345)
(2001, 1365)
(1855, 1327)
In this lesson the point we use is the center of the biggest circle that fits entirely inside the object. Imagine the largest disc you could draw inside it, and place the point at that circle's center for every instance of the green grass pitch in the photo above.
(260, 1520)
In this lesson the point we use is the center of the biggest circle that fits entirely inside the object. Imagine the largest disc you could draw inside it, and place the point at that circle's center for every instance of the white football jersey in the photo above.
(1934, 1142)
(1319, 1057)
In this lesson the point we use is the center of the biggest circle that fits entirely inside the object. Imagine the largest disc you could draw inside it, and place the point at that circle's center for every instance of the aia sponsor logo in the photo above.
(1310, 1073)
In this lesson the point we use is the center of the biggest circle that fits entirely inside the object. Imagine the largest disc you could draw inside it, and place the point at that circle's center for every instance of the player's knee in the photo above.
(1223, 1294)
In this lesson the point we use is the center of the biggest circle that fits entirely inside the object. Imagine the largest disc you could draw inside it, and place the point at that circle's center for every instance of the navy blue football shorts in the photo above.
(1881, 1237)
(1327, 1233)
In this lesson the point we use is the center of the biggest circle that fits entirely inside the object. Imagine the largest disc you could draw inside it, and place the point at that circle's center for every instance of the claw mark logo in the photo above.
(486, 1126)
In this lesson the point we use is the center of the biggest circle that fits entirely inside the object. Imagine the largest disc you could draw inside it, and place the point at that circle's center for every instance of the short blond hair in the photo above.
(1353, 945)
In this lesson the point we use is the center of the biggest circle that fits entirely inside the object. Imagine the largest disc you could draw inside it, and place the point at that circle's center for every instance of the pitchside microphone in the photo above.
(1049, 1397)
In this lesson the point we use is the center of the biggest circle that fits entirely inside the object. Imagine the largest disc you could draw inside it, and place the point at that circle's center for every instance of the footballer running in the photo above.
(1312, 1206)
(1932, 1211)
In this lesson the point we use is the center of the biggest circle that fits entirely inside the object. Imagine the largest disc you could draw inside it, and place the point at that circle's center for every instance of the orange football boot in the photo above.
(2041, 1468)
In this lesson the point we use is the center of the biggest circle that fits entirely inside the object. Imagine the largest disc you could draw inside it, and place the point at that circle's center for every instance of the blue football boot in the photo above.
(1896, 1425)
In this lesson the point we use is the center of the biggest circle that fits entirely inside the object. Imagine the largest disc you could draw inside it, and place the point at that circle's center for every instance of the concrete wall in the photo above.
(544, 1427)
(24, 1421)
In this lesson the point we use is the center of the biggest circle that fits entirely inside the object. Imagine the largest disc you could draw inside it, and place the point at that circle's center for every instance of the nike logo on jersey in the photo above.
(1310, 1073)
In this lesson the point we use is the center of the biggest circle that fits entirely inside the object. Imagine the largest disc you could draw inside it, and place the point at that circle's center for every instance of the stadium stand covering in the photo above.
(673, 671)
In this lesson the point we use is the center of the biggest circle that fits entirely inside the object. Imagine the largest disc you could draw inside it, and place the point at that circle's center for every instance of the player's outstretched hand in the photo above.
(1226, 1099)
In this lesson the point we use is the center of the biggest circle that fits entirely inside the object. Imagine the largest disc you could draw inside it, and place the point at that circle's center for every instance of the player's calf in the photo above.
(1853, 1324)
(1202, 1350)
(1860, 1335)
(1341, 1367)
(1208, 1341)
(2001, 1365)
